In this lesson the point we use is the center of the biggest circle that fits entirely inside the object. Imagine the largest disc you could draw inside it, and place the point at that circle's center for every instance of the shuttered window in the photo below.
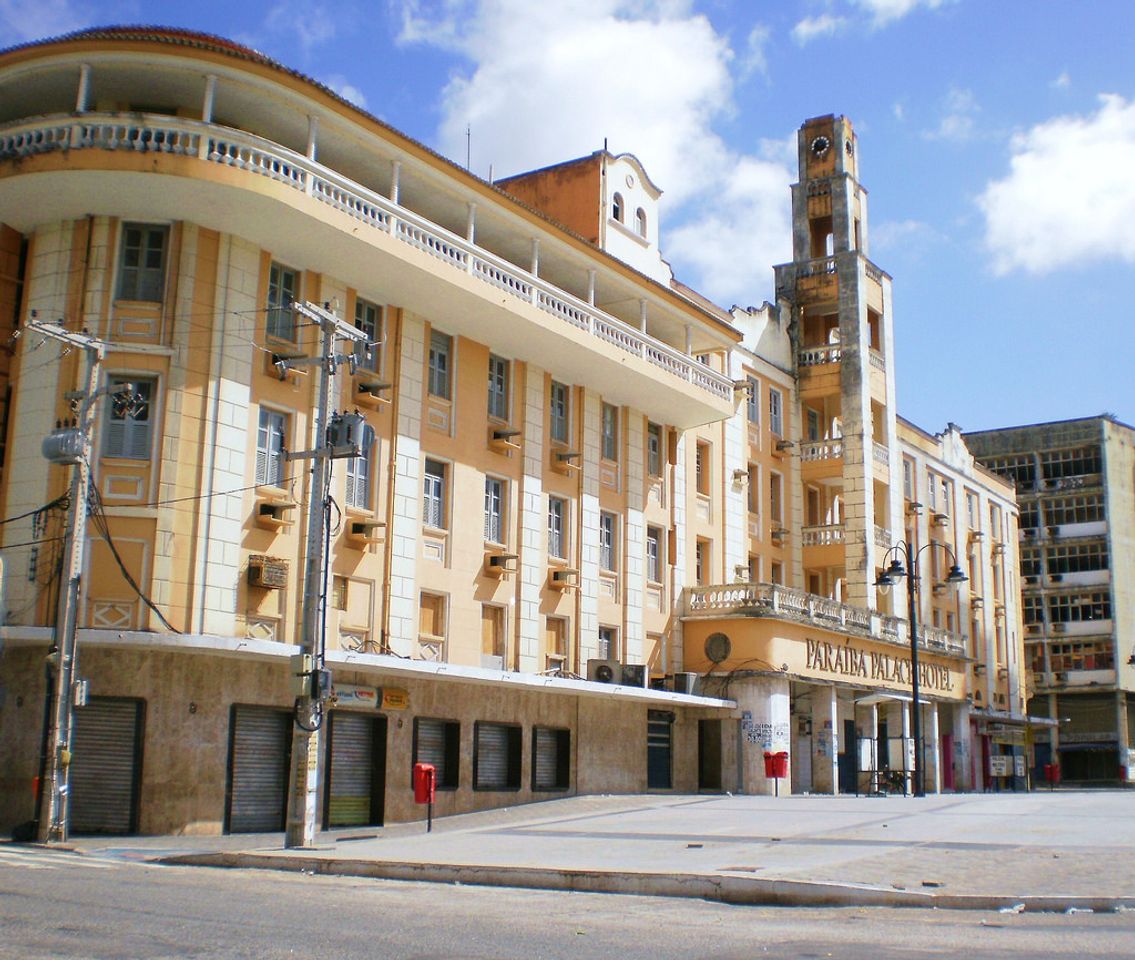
(438, 742)
(494, 510)
(433, 495)
(142, 261)
(368, 319)
(130, 423)
(551, 759)
(498, 388)
(558, 412)
(271, 441)
(496, 756)
(282, 290)
(441, 347)
(358, 482)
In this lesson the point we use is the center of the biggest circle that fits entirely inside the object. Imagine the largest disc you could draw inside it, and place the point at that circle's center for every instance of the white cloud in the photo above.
(547, 83)
(958, 119)
(810, 28)
(1062, 82)
(886, 11)
(1069, 197)
(346, 90)
(909, 236)
(21, 21)
(310, 26)
(755, 59)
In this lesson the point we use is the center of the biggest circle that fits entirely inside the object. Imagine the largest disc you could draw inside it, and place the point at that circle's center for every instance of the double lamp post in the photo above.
(901, 551)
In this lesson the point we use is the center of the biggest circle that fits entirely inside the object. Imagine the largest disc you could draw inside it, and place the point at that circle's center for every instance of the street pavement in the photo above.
(1061, 850)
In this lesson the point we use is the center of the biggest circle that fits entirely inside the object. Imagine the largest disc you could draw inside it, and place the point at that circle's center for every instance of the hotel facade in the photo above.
(609, 537)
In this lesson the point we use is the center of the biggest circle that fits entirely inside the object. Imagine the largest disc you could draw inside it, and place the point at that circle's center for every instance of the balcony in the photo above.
(785, 603)
(498, 287)
(823, 535)
(818, 450)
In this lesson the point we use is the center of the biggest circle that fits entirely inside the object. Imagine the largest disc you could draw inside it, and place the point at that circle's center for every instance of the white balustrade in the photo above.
(822, 535)
(821, 450)
(824, 353)
(244, 151)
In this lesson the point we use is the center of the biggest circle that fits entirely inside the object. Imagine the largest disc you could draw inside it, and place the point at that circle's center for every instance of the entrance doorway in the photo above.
(356, 782)
(709, 754)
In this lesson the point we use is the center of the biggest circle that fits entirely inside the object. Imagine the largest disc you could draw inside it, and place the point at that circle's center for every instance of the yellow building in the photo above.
(581, 467)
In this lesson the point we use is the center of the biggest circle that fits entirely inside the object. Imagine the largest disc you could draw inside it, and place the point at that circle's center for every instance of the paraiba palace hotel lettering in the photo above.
(849, 661)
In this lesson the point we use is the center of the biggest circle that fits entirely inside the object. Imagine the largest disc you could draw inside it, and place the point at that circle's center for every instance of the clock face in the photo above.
(848, 147)
(820, 146)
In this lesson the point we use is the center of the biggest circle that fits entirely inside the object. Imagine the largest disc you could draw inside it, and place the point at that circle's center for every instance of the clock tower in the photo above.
(839, 308)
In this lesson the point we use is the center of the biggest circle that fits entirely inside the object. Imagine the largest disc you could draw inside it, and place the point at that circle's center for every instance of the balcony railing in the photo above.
(232, 148)
(823, 353)
(880, 453)
(882, 536)
(814, 450)
(773, 600)
(824, 535)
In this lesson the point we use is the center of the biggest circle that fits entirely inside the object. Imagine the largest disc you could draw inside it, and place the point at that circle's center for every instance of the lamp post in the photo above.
(887, 579)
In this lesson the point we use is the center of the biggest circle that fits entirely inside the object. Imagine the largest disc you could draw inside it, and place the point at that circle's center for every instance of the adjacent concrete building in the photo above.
(610, 537)
(1075, 482)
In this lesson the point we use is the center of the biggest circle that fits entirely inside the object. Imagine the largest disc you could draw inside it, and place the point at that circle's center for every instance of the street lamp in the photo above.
(887, 579)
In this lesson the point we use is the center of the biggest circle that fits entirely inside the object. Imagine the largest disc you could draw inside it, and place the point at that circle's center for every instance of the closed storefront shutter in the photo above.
(258, 769)
(106, 769)
(551, 761)
(492, 757)
(349, 800)
(658, 749)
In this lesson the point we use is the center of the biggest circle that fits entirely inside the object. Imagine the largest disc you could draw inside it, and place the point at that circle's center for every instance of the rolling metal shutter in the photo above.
(658, 750)
(492, 757)
(106, 768)
(348, 800)
(547, 758)
(431, 746)
(258, 769)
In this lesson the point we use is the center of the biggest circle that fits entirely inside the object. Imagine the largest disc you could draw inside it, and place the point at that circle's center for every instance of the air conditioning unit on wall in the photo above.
(635, 675)
(604, 671)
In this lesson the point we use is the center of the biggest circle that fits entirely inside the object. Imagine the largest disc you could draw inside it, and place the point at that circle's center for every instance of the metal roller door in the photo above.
(659, 728)
(547, 761)
(491, 758)
(352, 765)
(107, 765)
(259, 755)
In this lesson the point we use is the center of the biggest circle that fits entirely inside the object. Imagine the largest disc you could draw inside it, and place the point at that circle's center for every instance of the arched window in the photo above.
(640, 221)
(617, 207)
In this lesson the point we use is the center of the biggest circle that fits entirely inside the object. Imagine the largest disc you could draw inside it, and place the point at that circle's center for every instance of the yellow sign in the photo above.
(395, 699)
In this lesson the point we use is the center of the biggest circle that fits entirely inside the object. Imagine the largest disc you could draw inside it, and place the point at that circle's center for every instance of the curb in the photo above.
(742, 891)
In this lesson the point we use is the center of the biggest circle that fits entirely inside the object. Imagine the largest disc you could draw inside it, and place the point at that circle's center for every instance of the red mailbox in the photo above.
(1051, 774)
(425, 782)
(776, 764)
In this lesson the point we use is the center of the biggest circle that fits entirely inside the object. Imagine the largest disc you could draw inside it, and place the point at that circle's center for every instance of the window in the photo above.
(617, 208)
(441, 349)
(498, 388)
(431, 616)
(1079, 462)
(271, 441)
(492, 632)
(557, 515)
(607, 528)
(754, 568)
(702, 457)
(908, 478)
(368, 318)
(640, 222)
(1019, 469)
(701, 562)
(776, 573)
(753, 401)
(283, 287)
(775, 413)
(558, 412)
(610, 427)
(496, 756)
(433, 495)
(555, 643)
(339, 592)
(972, 515)
(438, 742)
(551, 758)
(1075, 558)
(358, 482)
(494, 510)
(754, 492)
(813, 425)
(775, 505)
(654, 554)
(608, 643)
(654, 450)
(1079, 509)
(932, 489)
(1079, 607)
(141, 266)
(129, 425)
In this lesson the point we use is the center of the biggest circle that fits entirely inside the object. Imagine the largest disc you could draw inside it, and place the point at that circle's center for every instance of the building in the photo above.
(583, 471)
(1077, 568)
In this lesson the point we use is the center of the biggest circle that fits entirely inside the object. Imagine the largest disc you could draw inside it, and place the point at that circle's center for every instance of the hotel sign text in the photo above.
(850, 661)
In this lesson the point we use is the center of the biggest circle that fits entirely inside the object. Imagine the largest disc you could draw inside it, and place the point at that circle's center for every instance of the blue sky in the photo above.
(996, 139)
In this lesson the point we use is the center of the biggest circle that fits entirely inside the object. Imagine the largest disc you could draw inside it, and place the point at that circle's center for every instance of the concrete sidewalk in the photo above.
(1047, 851)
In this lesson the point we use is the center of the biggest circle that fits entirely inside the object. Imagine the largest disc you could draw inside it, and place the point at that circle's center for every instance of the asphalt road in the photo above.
(59, 905)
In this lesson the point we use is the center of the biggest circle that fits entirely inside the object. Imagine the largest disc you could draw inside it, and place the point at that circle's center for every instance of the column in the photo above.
(825, 740)
(932, 774)
(588, 627)
(533, 524)
(764, 705)
(907, 751)
(634, 590)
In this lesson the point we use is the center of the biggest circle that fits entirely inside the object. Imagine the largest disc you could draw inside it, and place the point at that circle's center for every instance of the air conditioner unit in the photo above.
(1054, 531)
(498, 564)
(1028, 532)
(684, 683)
(941, 519)
(1059, 628)
(635, 675)
(604, 671)
(563, 579)
(274, 513)
(268, 573)
(489, 662)
(365, 532)
(1061, 677)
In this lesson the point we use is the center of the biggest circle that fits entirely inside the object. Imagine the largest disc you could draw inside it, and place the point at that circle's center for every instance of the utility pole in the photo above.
(335, 437)
(67, 446)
